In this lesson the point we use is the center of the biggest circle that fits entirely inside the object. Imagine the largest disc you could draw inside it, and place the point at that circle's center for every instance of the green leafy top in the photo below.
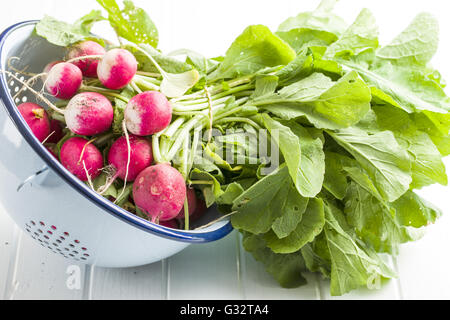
(131, 23)
(64, 34)
(321, 19)
(357, 128)
(256, 48)
(417, 44)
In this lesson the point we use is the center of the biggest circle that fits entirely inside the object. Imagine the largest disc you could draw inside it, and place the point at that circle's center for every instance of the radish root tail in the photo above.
(84, 149)
(37, 94)
(88, 176)
(29, 83)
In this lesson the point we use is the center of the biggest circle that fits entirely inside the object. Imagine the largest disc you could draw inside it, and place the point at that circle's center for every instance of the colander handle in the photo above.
(32, 178)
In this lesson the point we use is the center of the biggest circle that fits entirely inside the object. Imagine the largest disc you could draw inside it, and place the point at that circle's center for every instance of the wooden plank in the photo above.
(41, 274)
(259, 285)
(8, 245)
(141, 283)
(206, 271)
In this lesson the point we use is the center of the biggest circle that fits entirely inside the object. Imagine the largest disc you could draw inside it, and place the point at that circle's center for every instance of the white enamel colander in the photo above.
(50, 204)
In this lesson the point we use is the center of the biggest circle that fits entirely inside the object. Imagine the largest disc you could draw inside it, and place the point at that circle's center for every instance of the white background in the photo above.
(222, 270)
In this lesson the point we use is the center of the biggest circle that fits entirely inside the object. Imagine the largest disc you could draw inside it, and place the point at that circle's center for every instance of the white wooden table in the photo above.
(221, 270)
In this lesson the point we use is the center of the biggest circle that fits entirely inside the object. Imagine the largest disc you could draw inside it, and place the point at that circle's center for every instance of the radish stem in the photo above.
(208, 95)
(124, 128)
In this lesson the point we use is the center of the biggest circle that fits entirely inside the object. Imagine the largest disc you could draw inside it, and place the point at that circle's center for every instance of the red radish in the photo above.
(192, 204)
(56, 131)
(148, 113)
(88, 114)
(63, 80)
(47, 69)
(49, 66)
(173, 224)
(117, 68)
(81, 158)
(200, 210)
(37, 119)
(87, 48)
(159, 191)
(141, 157)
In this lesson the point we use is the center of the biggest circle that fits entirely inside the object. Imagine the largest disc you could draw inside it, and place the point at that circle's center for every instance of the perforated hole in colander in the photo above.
(59, 242)
(15, 86)
(25, 95)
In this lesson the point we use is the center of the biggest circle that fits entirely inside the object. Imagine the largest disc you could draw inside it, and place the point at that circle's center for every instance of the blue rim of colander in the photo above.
(79, 186)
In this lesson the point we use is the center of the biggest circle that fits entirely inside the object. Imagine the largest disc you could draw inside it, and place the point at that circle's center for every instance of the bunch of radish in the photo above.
(80, 134)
